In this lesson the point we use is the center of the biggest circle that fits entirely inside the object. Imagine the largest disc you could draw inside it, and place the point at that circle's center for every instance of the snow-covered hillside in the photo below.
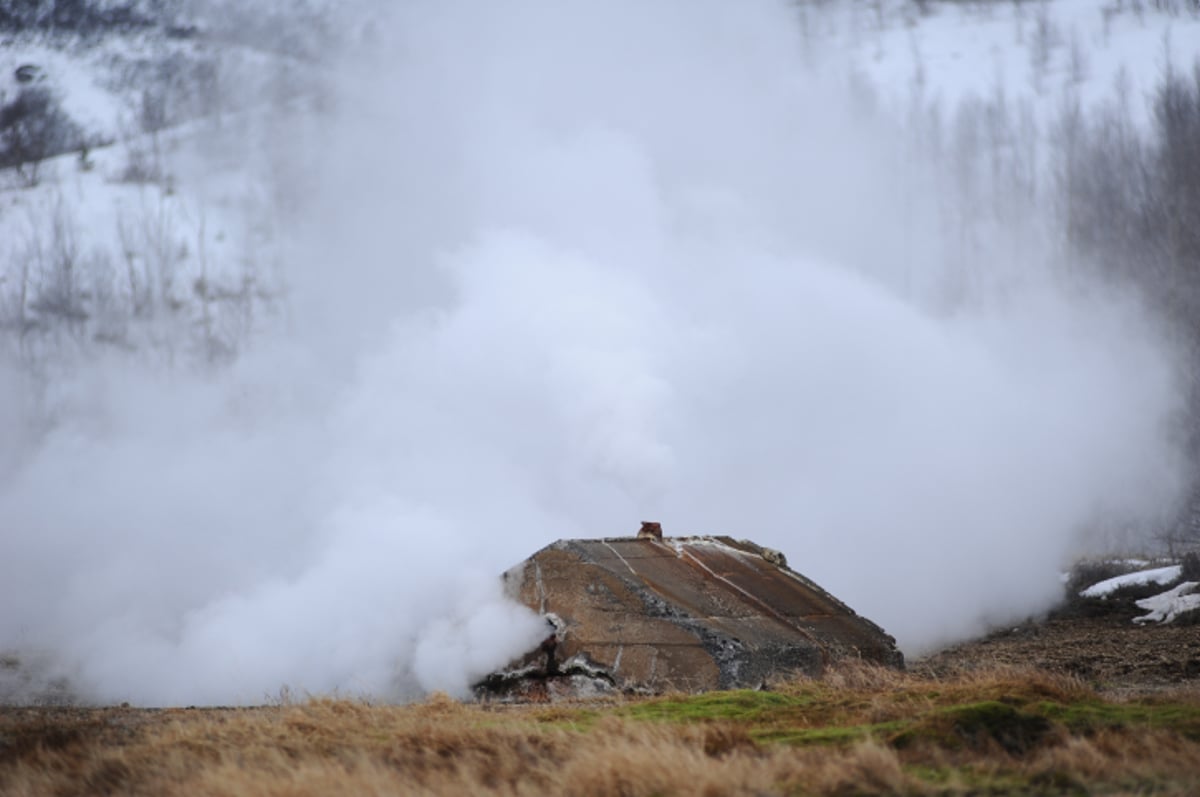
(155, 227)
(1040, 53)
(165, 95)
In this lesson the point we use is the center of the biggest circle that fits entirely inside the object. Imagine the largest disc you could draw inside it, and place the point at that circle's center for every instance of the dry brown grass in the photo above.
(337, 747)
(861, 730)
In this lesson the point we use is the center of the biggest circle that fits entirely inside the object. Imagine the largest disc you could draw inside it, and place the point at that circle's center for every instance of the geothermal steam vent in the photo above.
(648, 614)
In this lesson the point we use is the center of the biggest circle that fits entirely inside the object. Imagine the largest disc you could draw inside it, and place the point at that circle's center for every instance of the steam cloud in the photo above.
(558, 268)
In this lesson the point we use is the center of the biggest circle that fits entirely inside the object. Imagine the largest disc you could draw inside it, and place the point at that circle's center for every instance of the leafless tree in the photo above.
(34, 127)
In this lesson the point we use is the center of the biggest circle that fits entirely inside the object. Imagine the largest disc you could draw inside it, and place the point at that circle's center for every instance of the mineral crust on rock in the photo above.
(649, 614)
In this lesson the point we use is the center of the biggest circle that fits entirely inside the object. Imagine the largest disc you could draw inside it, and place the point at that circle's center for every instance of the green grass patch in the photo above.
(830, 718)
(579, 720)
(1004, 724)
(740, 706)
(1089, 716)
(828, 734)
(977, 726)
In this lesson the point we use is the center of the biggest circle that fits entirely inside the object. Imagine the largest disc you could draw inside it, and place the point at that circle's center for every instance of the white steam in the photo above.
(559, 268)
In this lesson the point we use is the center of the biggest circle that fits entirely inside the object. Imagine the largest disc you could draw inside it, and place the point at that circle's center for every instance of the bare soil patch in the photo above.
(1106, 650)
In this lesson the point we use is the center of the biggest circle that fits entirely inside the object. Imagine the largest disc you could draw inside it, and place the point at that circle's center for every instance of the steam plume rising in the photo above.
(559, 267)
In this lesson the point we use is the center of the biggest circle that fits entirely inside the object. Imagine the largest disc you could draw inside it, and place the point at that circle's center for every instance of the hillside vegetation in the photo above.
(859, 730)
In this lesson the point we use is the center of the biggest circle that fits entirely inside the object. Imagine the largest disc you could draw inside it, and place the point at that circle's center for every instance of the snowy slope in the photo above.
(216, 221)
(165, 210)
(1159, 575)
(1038, 53)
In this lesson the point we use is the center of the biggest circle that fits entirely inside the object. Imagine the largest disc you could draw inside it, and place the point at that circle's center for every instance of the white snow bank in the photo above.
(1166, 607)
(1159, 575)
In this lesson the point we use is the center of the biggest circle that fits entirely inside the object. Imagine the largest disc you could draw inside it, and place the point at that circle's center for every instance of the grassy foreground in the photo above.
(859, 730)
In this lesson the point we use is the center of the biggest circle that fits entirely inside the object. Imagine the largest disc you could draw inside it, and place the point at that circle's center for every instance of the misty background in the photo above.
(341, 310)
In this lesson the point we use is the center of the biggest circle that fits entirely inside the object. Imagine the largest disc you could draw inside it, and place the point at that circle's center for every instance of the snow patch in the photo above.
(1159, 575)
(1166, 607)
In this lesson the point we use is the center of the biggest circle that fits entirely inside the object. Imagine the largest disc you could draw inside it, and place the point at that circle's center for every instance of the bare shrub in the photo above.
(143, 166)
(33, 127)
(1045, 39)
